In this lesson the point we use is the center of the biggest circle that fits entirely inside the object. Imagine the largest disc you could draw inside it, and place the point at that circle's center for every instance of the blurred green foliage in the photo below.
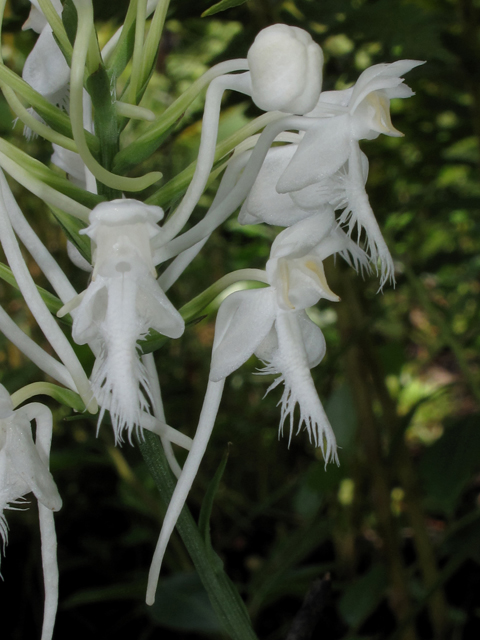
(400, 381)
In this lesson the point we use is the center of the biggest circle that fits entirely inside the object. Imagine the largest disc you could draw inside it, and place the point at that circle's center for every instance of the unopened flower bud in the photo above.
(286, 70)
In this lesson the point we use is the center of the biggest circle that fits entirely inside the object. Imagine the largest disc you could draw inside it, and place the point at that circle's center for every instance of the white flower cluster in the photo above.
(311, 181)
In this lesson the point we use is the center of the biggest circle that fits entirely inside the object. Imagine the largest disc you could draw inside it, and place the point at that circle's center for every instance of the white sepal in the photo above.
(243, 320)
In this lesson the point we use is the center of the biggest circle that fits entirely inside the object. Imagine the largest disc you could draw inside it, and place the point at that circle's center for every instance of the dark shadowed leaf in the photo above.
(449, 463)
(182, 603)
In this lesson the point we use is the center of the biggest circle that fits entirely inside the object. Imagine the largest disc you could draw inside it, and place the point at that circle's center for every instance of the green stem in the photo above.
(217, 584)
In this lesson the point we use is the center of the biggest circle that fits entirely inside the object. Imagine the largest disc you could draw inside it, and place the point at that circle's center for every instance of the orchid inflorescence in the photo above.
(305, 171)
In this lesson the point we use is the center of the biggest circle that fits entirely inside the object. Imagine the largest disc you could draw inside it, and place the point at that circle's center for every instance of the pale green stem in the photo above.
(133, 111)
(137, 58)
(42, 190)
(56, 23)
(63, 396)
(84, 29)
(33, 123)
(153, 37)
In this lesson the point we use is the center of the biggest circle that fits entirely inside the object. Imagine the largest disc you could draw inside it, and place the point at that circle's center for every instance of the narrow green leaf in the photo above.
(122, 53)
(53, 303)
(72, 227)
(70, 19)
(207, 504)
(53, 116)
(223, 5)
(106, 124)
(181, 181)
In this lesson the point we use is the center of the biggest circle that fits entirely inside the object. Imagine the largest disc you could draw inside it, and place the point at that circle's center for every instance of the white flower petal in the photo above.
(264, 203)
(27, 463)
(157, 310)
(45, 68)
(322, 151)
(243, 320)
(300, 238)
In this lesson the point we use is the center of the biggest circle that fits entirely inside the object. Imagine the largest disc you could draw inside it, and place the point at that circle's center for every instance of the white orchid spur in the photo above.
(122, 303)
(24, 469)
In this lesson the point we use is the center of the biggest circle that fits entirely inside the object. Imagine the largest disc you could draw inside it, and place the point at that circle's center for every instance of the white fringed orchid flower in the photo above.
(24, 469)
(329, 160)
(272, 324)
(121, 304)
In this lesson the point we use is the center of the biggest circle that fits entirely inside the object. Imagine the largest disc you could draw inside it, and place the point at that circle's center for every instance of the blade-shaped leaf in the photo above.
(223, 5)
(72, 227)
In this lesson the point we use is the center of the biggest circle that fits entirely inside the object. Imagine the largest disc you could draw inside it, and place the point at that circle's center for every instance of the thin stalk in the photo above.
(137, 59)
(42, 173)
(39, 309)
(152, 40)
(182, 180)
